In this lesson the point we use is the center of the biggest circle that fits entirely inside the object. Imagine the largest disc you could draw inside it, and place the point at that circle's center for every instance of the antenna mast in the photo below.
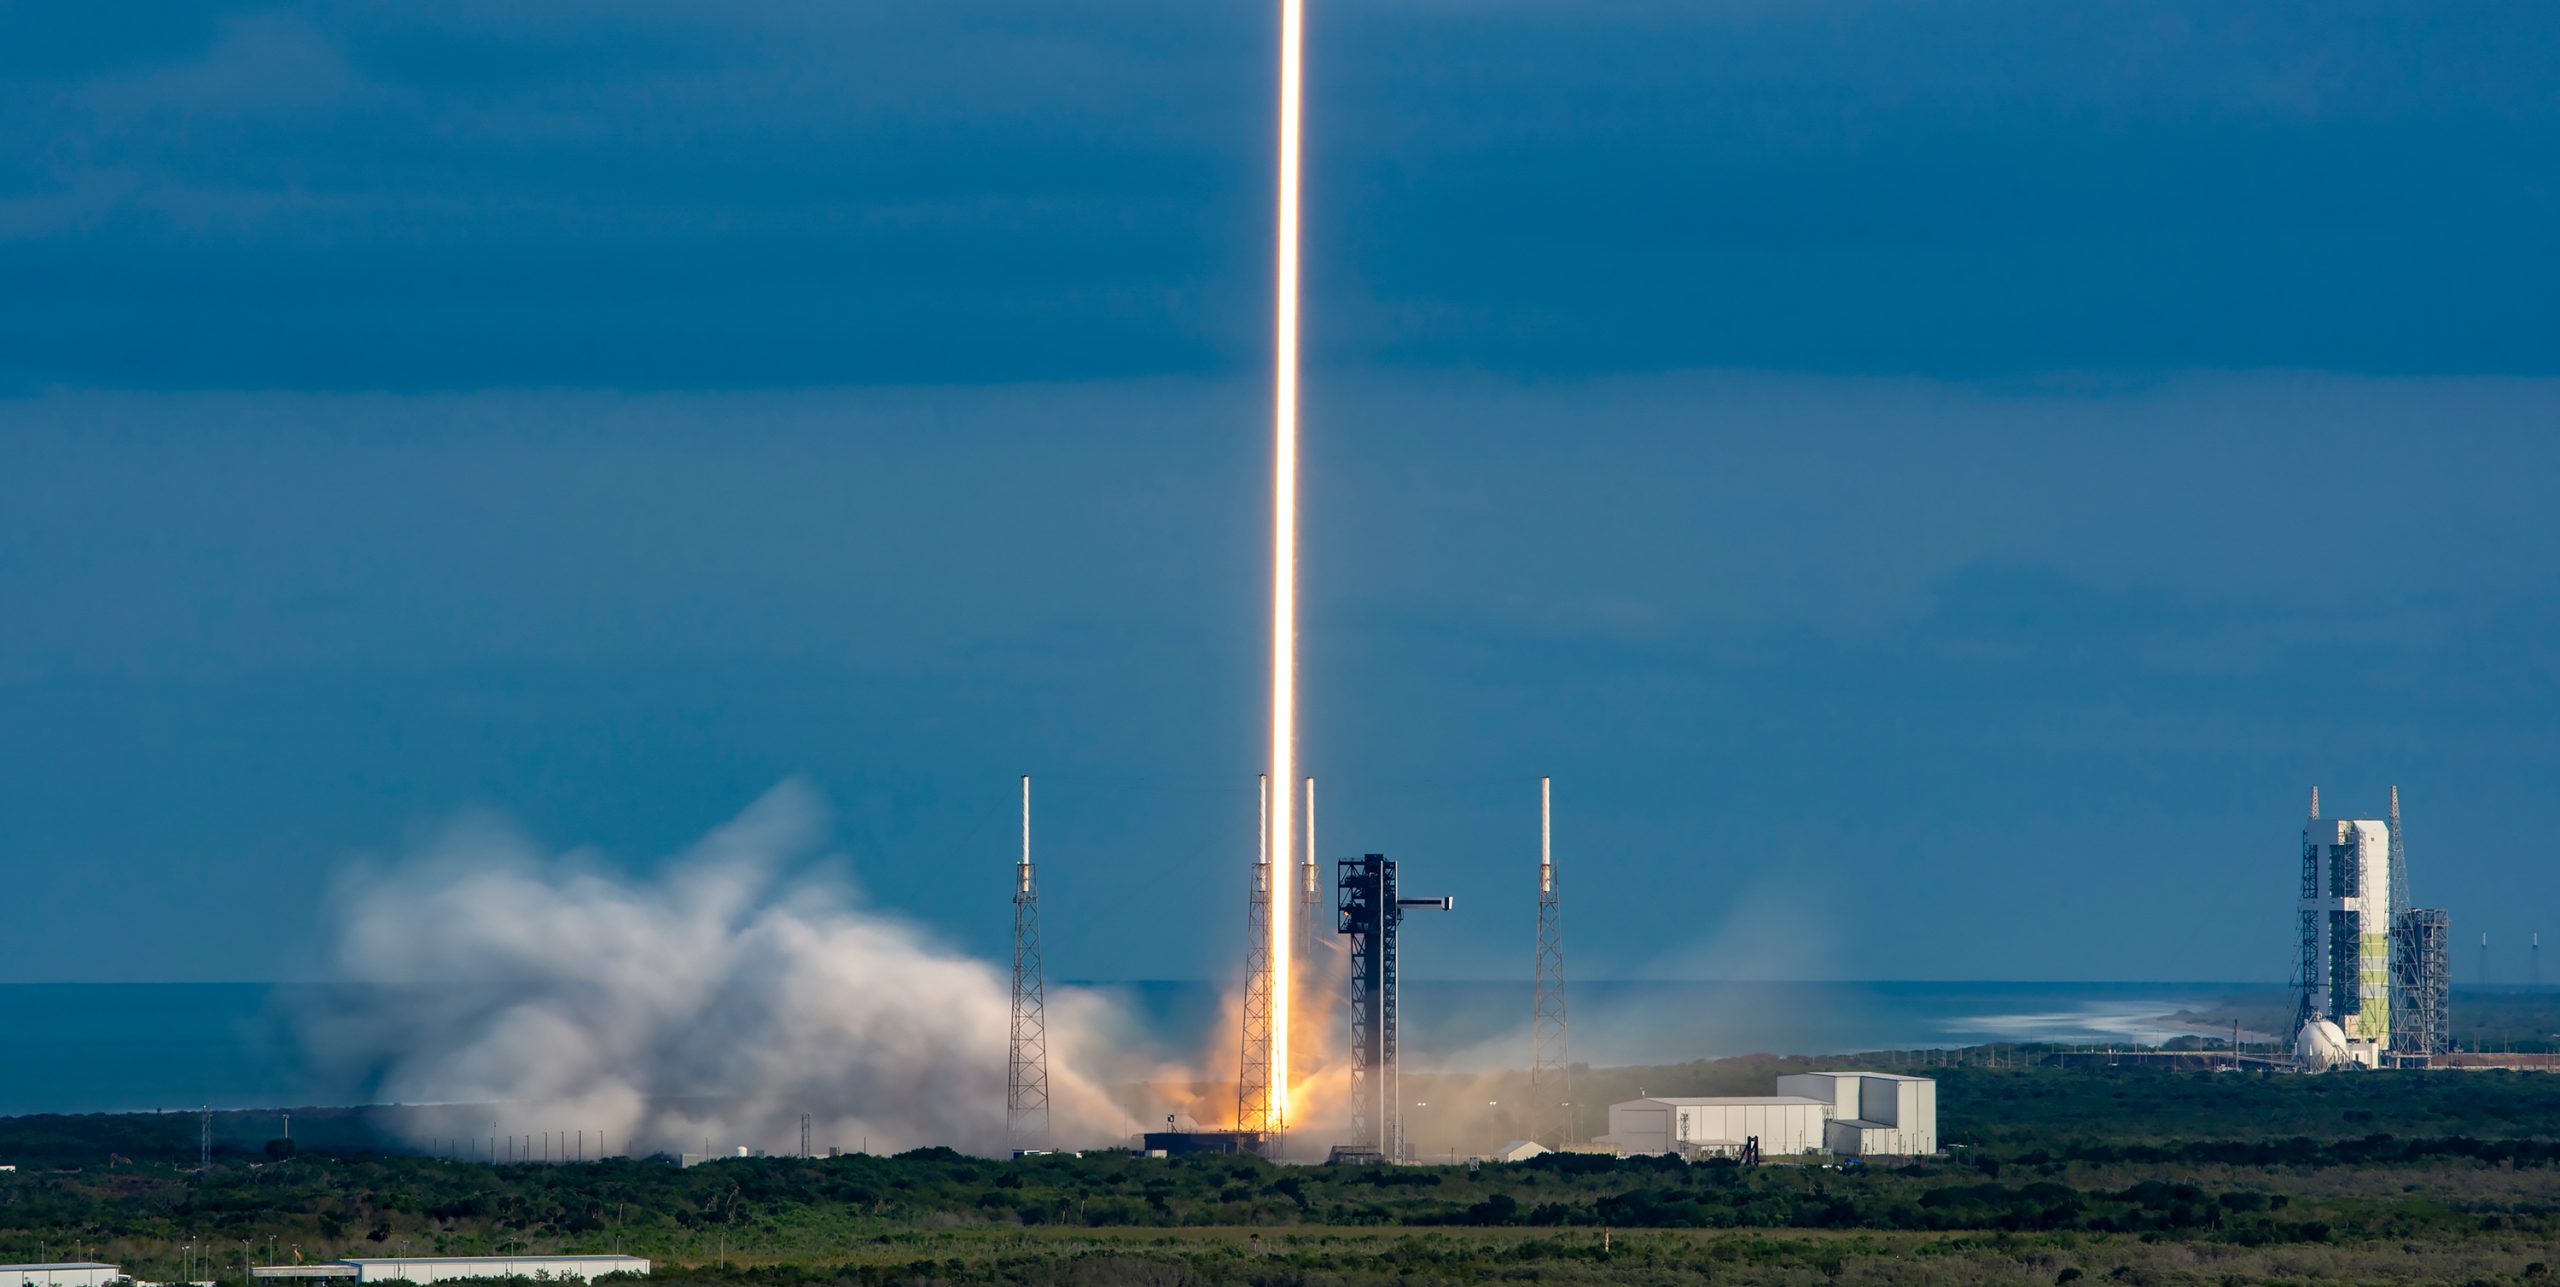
(1309, 909)
(1026, 1101)
(1550, 1084)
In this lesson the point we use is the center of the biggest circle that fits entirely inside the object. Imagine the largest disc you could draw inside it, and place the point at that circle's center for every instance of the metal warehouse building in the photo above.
(77, 1273)
(431, 1269)
(1717, 1124)
(1853, 1114)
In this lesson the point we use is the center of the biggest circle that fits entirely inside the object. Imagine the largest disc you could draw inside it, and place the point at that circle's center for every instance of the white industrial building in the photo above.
(1872, 1114)
(2344, 940)
(76, 1273)
(433, 1269)
(1853, 1114)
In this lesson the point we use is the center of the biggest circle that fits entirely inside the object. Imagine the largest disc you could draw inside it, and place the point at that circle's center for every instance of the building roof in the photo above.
(59, 1264)
(1746, 1101)
(475, 1260)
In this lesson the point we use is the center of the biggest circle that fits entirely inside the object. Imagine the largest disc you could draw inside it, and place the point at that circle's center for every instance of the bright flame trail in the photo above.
(1284, 540)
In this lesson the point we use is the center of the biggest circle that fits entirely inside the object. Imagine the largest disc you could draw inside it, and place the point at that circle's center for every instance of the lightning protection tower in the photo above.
(1310, 890)
(1026, 1100)
(2306, 968)
(1253, 1076)
(1550, 1084)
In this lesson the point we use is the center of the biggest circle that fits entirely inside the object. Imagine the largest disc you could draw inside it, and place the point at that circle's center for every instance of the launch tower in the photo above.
(1371, 914)
(1550, 1086)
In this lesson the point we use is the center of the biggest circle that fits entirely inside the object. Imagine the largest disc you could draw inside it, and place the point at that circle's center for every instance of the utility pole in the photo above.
(1550, 1084)
(1027, 1070)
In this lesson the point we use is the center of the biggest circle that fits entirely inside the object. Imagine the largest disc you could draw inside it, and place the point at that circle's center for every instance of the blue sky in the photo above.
(1935, 484)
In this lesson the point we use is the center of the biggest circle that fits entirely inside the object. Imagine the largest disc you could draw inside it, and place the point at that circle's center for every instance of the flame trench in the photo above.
(1284, 539)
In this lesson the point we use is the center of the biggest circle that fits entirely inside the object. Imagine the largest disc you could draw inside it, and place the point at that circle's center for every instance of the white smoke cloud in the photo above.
(712, 1004)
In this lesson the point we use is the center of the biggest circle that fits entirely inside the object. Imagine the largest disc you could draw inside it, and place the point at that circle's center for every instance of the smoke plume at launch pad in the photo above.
(714, 1003)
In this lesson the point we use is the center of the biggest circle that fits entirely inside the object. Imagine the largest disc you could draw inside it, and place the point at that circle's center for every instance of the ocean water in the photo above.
(1482, 1025)
(117, 1047)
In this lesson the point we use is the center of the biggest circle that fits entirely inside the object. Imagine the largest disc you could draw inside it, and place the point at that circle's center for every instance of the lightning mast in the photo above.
(1255, 1096)
(1026, 1099)
(1310, 909)
(2306, 969)
(1550, 1085)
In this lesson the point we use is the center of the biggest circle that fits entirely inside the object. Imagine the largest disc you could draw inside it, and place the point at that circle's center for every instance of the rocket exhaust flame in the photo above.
(1284, 536)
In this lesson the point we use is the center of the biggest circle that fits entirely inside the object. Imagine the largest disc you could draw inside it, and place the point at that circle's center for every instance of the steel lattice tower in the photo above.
(204, 1138)
(1370, 913)
(2419, 937)
(2306, 966)
(1366, 897)
(1253, 1075)
(1550, 1084)
(2405, 993)
(1026, 1102)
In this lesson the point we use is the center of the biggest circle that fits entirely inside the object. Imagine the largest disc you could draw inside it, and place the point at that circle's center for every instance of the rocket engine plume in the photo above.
(1284, 536)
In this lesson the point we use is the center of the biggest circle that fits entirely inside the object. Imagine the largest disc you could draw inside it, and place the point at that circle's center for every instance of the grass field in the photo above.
(2053, 1175)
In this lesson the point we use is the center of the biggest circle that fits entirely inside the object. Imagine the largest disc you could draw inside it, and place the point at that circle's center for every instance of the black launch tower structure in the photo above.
(1371, 911)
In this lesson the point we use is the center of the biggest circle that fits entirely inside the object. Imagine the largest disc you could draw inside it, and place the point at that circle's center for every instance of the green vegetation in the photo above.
(2128, 1175)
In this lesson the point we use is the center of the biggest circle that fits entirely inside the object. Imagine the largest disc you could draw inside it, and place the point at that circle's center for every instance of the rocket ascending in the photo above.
(1284, 537)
